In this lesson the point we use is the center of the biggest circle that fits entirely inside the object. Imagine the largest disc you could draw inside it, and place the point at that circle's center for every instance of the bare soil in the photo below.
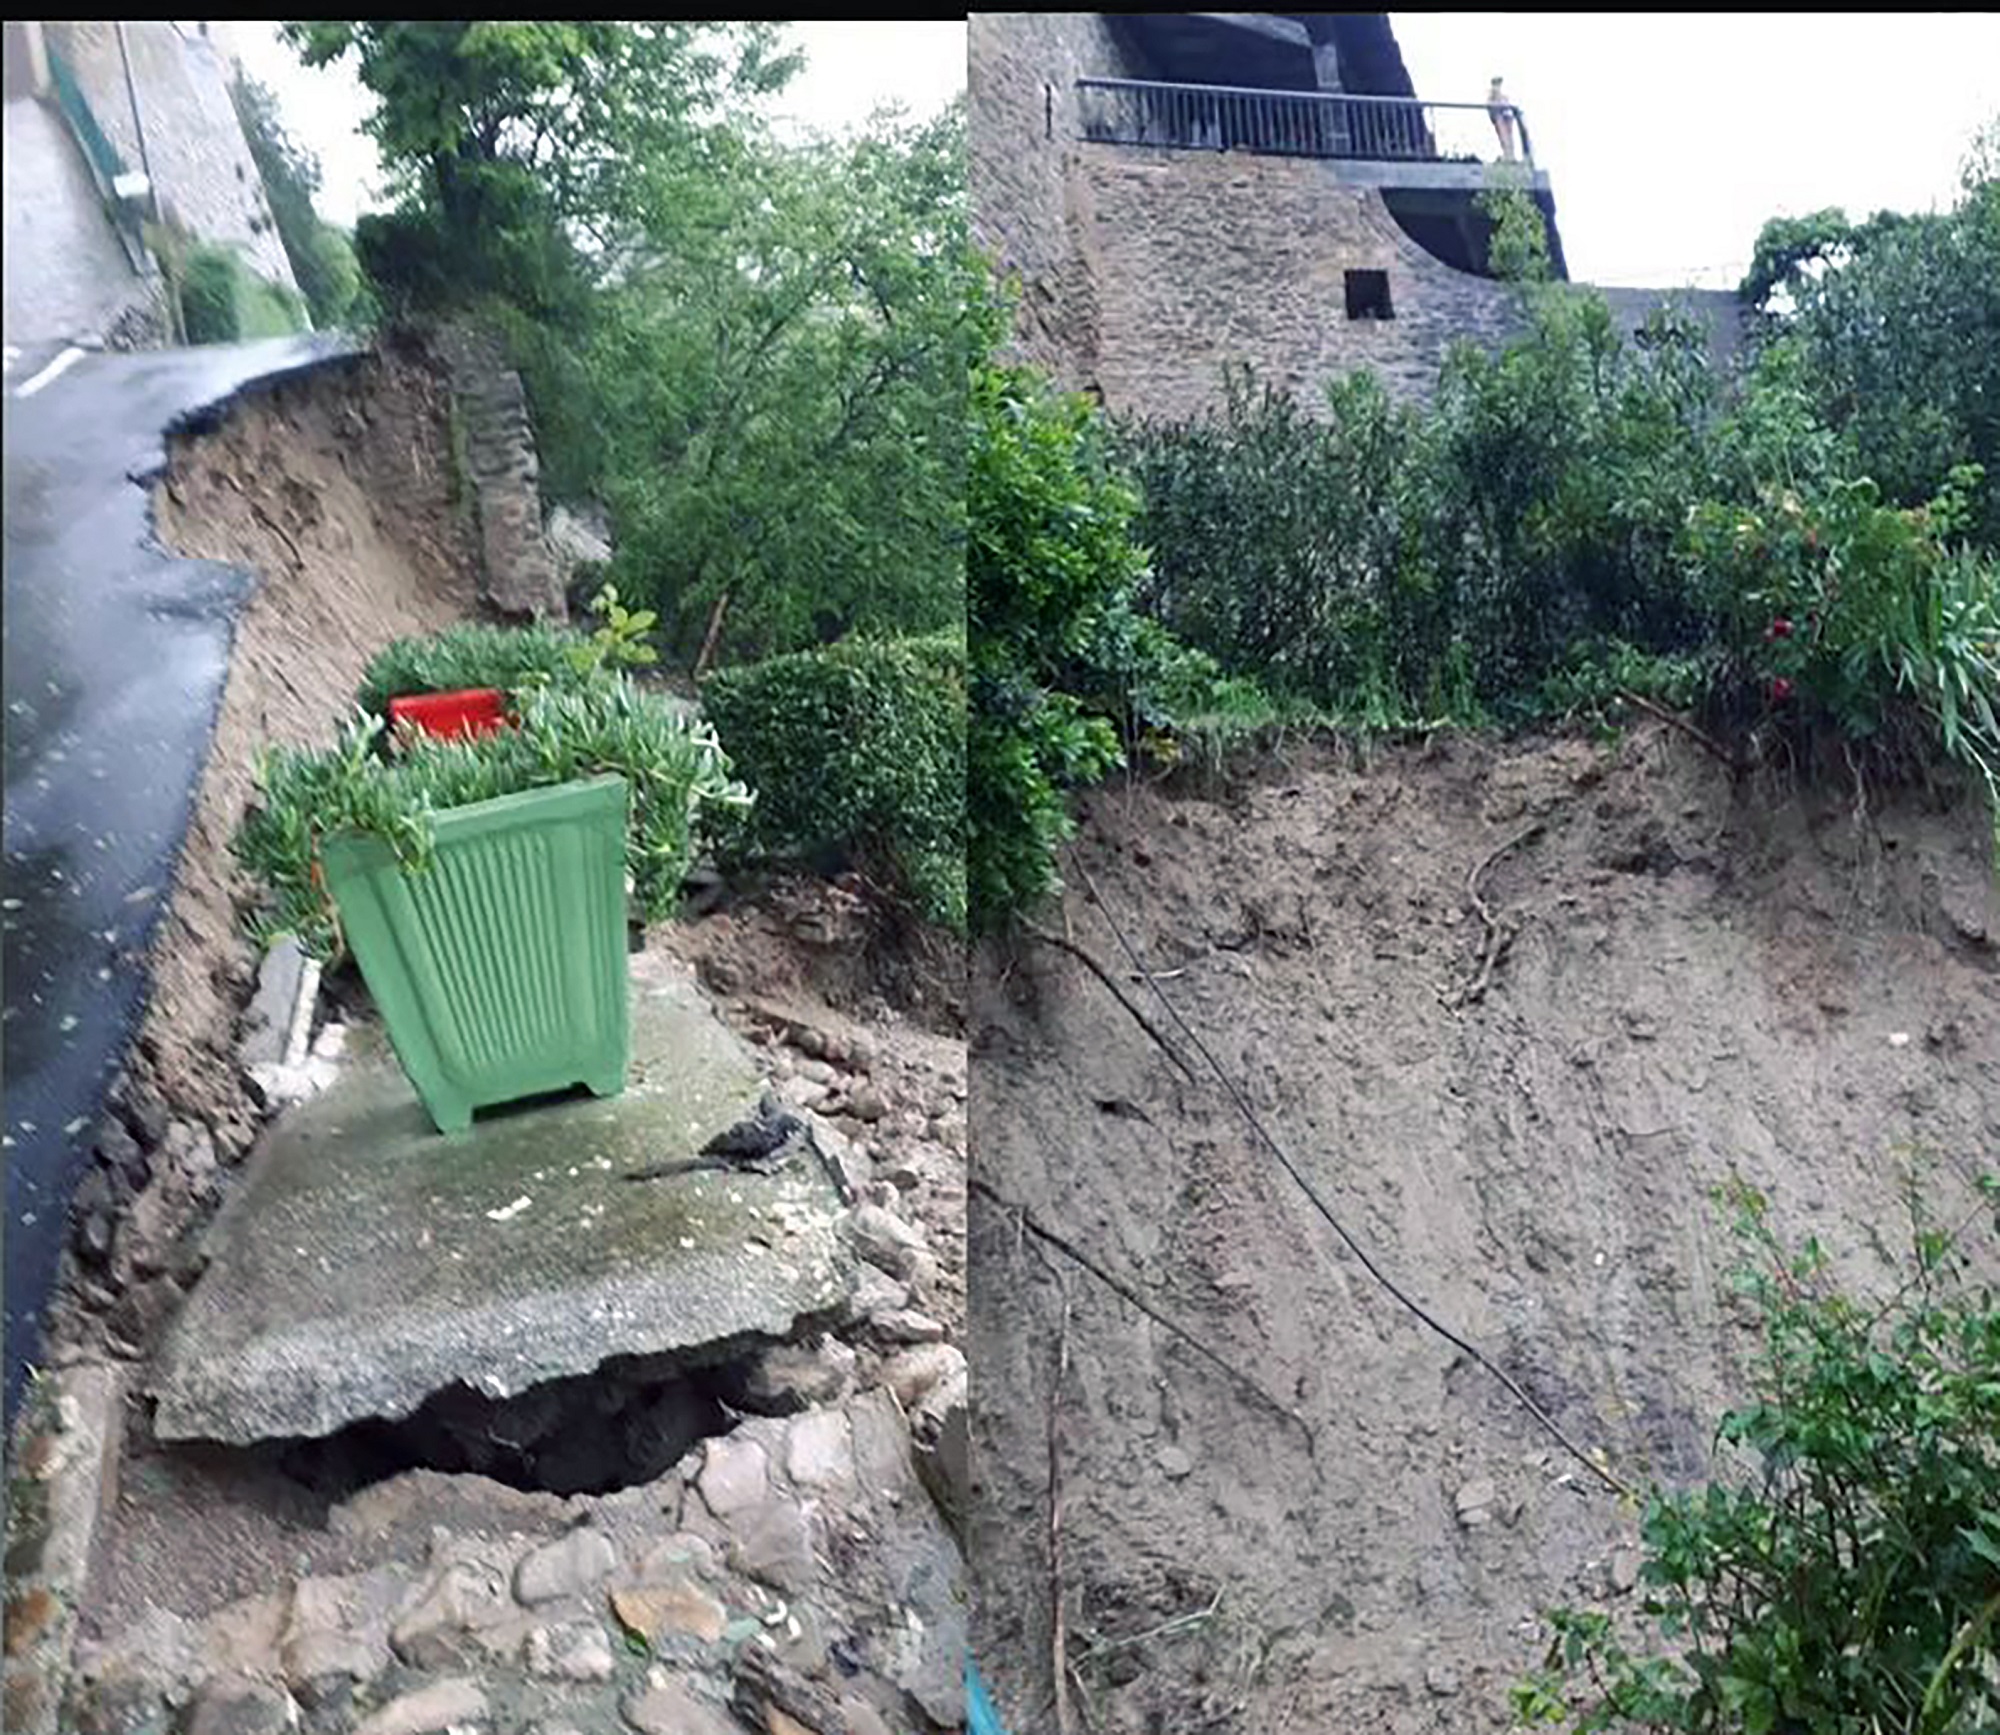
(338, 492)
(1702, 980)
(811, 971)
(848, 946)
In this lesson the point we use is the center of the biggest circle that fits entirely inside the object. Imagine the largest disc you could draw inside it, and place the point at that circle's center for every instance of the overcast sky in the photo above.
(1670, 138)
(851, 68)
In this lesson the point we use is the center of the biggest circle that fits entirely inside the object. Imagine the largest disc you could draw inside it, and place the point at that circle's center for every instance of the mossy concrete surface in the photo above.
(367, 1261)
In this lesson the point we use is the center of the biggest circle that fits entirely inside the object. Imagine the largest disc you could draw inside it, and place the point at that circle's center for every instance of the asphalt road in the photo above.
(114, 662)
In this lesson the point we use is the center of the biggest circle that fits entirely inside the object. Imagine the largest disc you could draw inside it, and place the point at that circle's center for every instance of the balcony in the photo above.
(1291, 123)
(1428, 160)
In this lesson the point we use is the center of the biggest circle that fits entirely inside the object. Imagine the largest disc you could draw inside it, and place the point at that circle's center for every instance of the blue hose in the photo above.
(985, 1720)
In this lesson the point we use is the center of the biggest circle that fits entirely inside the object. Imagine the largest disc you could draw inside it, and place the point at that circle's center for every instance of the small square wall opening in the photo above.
(1368, 295)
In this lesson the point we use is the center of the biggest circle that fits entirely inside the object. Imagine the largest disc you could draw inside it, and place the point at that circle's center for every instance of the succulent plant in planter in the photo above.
(514, 661)
(479, 882)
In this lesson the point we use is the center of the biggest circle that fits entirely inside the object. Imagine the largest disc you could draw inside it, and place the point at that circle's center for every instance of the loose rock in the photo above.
(774, 1546)
(885, 1240)
(819, 1451)
(1474, 1502)
(875, 1293)
(734, 1476)
(571, 1566)
(429, 1710)
(668, 1708)
(121, 1154)
(431, 1632)
(677, 1606)
(95, 1230)
(863, 1718)
(906, 1325)
(867, 1104)
(236, 1705)
(578, 1651)
(911, 1373)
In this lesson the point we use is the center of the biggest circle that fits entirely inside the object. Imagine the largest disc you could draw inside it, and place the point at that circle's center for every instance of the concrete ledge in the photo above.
(368, 1262)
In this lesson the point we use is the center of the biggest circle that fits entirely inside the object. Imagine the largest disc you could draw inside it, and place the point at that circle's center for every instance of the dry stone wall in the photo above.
(519, 571)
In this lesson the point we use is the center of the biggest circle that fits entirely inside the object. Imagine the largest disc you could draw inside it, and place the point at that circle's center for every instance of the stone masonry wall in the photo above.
(1143, 271)
(66, 275)
(1200, 259)
(519, 571)
(1023, 68)
(200, 160)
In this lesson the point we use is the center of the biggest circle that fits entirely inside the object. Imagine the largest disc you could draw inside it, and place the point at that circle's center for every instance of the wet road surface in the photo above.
(114, 663)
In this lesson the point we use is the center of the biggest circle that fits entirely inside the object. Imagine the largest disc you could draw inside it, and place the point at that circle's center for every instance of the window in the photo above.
(1368, 295)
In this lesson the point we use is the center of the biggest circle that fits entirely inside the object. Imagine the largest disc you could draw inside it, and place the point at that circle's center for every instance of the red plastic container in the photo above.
(471, 711)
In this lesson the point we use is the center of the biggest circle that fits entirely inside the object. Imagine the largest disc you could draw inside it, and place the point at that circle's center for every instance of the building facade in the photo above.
(1180, 192)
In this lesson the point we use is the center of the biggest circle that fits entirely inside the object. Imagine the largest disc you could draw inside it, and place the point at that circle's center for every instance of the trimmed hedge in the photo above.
(857, 755)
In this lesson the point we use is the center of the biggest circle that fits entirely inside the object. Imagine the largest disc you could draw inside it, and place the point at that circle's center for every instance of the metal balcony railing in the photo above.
(1294, 123)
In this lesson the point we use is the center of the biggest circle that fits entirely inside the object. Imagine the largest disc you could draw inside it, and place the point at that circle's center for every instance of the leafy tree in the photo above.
(531, 158)
(754, 353)
(322, 259)
(1895, 324)
(1050, 571)
(785, 428)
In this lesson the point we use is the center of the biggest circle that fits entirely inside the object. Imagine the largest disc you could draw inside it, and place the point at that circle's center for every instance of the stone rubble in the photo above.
(799, 1572)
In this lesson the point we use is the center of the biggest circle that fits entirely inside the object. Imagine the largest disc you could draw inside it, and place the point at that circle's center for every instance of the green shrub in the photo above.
(1289, 546)
(675, 768)
(224, 301)
(857, 755)
(1050, 576)
(1881, 620)
(1896, 324)
(1387, 564)
(208, 296)
(1847, 1580)
(514, 659)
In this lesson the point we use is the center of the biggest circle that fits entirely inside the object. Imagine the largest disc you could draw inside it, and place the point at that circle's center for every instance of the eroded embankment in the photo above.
(335, 488)
(1701, 980)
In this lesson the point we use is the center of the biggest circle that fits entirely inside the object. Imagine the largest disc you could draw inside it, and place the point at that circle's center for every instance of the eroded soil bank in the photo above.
(1699, 980)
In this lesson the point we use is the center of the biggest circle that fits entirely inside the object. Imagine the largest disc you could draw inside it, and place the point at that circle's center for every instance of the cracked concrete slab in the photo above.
(367, 1261)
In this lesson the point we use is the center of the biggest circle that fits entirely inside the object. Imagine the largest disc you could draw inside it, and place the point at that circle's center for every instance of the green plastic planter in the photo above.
(501, 970)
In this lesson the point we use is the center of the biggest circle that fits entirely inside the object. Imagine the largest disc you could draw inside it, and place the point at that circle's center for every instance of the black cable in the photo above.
(1607, 1477)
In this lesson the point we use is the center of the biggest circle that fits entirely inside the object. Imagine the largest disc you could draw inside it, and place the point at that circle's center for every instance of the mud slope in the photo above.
(1703, 979)
(337, 491)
